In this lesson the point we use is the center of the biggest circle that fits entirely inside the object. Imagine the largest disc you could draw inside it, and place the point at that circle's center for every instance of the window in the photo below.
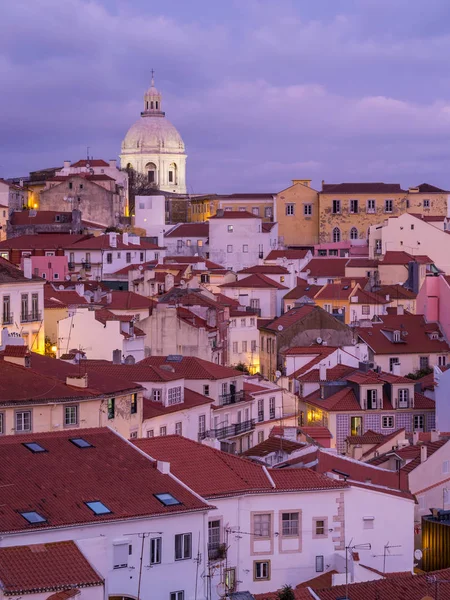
(97, 507)
(128, 257)
(336, 234)
(327, 308)
(426, 204)
(156, 395)
(213, 534)
(254, 303)
(353, 233)
(163, 431)
(442, 361)
(34, 447)
(272, 408)
(262, 525)
(81, 443)
(177, 595)
(253, 345)
(255, 211)
(230, 228)
(372, 399)
(2, 423)
(179, 428)
(260, 410)
(174, 396)
(120, 555)
(245, 248)
(319, 527)
(24, 307)
(33, 517)
(133, 408)
(23, 421)
(206, 390)
(393, 361)
(356, 425)
(183, 546)
(387, 422)
(70, 185)
(167, 499)
(445, 467)
(151, 433)
(268, 212)
(70, 415)
(229, 248)
(307, 210)
(365, 309)
(201, 424)
(424, 362)
(155, 550)
(403, 398)
(260, 437)
(81, 186)
(290, 210)
(243, 323)
(289, 523)
(109, 257)
(388, 206)
(319, 564)
(419, 422)
(336, 207)
(6, 309)
(368, 522)
(354, 206)
(371, 206)
(244, 346)
(34, 307)
(261, 569)
(230, 579)
(111, 408)
(235, 347)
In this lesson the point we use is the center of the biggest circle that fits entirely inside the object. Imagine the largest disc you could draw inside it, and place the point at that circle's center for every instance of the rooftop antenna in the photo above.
(153, 77)
(87, 152)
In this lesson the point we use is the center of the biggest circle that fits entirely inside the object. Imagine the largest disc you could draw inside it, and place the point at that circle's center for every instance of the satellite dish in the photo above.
(67, 277)
(141, 268)
(319, 340)
(354, 341)
(277, 374)
(418, 554)
(280, 327)
(61, 287)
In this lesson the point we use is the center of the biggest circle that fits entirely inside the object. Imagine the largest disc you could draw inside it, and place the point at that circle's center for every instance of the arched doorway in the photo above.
(151, 171)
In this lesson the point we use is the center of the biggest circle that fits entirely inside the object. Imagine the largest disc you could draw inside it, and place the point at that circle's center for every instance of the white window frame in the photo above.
(183, 555)
(70, 410)
(121, 551)
(20, 419)
(290, 209)
(156, 550)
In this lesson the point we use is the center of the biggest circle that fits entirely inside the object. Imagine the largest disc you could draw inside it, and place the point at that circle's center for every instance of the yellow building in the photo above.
(427, 200)
(3, 219)
(204, 207)
(297, 214)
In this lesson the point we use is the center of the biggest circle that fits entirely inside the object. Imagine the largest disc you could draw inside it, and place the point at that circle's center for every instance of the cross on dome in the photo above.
(152, 100)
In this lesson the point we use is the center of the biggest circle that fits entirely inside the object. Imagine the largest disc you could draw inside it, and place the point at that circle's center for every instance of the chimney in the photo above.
(80, 382)
(396, 369)
(163, 467)
(125, 238)
(66, 164)
(113, 239)
(435, 435)
(17, 355)
(415, 438)
(219, 212)
(388, 298)
(27, 267)
(113, 163)
(117, 357)
(322, 372)
(400, 310)
(423, 453)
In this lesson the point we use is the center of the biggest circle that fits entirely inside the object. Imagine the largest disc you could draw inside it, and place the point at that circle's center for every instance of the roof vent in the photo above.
(80, 382)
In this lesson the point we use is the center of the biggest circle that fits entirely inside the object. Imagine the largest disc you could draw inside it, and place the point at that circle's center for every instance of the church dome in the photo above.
(153, 133)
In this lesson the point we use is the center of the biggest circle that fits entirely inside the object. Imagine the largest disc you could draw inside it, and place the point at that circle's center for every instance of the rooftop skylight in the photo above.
(33, 517)
(167, 499)
(81, 443)
(34, 447)
(97, 507)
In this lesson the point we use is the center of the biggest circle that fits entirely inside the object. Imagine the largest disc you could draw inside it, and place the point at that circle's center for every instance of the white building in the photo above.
(243, 339)
(13, 196)
(154, 148)
(150, 215)
(187, 239)
(257, 291)
(238, 239)
(22, 304)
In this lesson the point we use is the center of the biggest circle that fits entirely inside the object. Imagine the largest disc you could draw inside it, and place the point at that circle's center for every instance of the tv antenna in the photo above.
(386, 553)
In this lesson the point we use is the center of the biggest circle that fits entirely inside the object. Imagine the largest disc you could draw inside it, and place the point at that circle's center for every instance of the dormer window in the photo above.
(434, 335)
(174, 396)
(372, 399)
(403, 398)
(397, 336)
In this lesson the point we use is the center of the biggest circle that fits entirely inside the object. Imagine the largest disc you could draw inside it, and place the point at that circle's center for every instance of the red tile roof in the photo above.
(92, 162)
(9, 273)
(190, 230)
(396, 257)
(362, 188)
(225, 301)
(411, 453)
(61, 298)
(126, 487)
(191, 260)
(396, 292)
(128, 268)
(326, 267)
(133, 373)
(192, 367)
(235, 214)
(16, 351)
(266, 269)
(291, 254)
(43, 241)
(342, 400)
(84, 175)
(332, 374)
(317, 433)
(41, 217)
(122, 300)
(257, 280)
(273, 444)
(291, 317)
(303, 288)
(45, 568)
(191, 400)
(102, 242)
(224, 474)
(361, 263)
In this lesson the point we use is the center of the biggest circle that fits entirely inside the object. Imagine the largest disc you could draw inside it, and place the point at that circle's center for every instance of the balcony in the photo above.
(71, 266)
(230, 431)
(31, 317)
(8, 319)
(231, 398)
(217, 551)
(86, 266)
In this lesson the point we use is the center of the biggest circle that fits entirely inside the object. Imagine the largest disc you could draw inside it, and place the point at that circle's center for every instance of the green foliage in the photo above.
(241, 367)
(286, 593)
(420, 373)
(48, 348)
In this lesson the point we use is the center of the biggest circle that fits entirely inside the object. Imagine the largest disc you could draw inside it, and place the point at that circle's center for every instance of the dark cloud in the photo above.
(262, 92)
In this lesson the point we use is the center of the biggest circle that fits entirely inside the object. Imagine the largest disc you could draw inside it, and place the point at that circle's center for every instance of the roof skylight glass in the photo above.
(34, 447)
(81, 443)
(98, 507)
(33, 517)
(167, 499)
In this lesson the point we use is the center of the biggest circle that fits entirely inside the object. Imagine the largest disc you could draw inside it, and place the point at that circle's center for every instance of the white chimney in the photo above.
(323, 372)
(423, 453)
(67, 164)
(27, 267)
(396, 369)
(112, 163)
(435, 436)
(113, 239)
(400, 309)
(125, 238)
(415, 437)
(163, 467)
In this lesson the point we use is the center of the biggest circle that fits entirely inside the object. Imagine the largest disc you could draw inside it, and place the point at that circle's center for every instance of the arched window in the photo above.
(151, 172)
(353, 233)
(147, 105)
(173, 174)
(336, 234)
(156, 104)
(151, 103)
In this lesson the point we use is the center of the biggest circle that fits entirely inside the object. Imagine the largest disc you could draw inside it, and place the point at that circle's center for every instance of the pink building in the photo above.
(433, 301)
(50, 267)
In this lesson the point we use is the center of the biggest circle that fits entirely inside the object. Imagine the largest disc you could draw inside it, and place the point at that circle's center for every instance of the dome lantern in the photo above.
(152, 101)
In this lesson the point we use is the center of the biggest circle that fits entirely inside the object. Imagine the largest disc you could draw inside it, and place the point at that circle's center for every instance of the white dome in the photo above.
(153, 134)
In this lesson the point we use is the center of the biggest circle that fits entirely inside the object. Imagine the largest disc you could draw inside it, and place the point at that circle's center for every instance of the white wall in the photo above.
(150, 214)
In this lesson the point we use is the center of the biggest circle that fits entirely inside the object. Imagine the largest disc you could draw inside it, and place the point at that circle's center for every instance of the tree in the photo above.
(241, 367)
(420, 373)
(138, 185)
(286, 593)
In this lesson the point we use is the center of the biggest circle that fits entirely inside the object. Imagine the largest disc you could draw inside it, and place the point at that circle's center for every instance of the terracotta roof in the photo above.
(235, 214)
(427, 188)
(257, 280)
(398, 257)
(92, 162)
(84, 175)
(192, 260)
(65, 595)
(128, 268)
(191, 367)
(369, 437)
(292, 254)
(61, 298)
(317, 433)
(102, 242)
(266, 269)
(303, 288)
(192, 319)
(122, 300)
(362, 188)
(411, 453)
(342, 400)
(273, 444)
(133, 373)
(386, 439)
(291, 317)
(225, 301)
(191, 400)
(188, 297)
(361, 263)
(42, 241)
(16, 351)
(414, 330)
(41, 217)
(396, 292)
(224, 474)
(11, 274)
(194, 230)
(126, 487)
(430, 218)
(45, 568)
(345, 291)
(335, 373)
(326, 267)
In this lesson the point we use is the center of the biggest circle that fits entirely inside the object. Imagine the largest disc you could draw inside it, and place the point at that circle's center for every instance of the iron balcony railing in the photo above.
(217, 551)
(8, 318)
(30, 317)
(71, 266)
(231, 398)
(229, 431)
(86, 265)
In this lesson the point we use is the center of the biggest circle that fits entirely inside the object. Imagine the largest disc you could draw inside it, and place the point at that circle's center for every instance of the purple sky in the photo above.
(261, 91)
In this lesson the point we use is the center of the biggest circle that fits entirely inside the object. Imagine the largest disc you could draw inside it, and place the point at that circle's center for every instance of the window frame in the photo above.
(262, 526)
(258, 565)
(71, 406)
(183, 537)
(20, 412)
(385, 420)
(336, 207)
(307, 210)
(320, 532)
(290, 209)
(290, 530)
